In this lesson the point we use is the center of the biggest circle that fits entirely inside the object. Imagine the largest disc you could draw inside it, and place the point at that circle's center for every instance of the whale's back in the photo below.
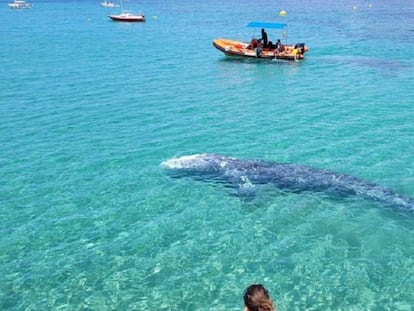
(293, 177)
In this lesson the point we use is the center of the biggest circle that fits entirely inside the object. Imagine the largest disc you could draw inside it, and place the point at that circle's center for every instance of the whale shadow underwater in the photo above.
(244, 175)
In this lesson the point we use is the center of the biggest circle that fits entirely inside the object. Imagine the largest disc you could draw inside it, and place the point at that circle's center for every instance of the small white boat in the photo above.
(127, 17)
(19, 4)
(109, 4)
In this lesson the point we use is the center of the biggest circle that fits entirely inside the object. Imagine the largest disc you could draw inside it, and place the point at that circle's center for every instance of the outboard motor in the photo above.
(300, 47)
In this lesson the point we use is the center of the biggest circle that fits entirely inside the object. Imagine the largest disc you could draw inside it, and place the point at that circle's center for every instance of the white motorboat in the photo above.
(20, 4)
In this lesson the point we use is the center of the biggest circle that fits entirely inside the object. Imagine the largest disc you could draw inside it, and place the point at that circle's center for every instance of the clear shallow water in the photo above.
(89, 108)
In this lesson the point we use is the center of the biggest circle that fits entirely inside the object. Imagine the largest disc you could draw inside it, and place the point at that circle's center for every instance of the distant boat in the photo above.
(19, 4)
(109, 4)
(127, 16)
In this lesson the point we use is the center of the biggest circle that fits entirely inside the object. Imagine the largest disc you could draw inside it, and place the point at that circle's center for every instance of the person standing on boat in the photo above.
(263, 39)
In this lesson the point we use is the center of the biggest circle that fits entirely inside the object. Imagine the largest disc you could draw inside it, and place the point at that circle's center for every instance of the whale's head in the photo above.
(200, 164)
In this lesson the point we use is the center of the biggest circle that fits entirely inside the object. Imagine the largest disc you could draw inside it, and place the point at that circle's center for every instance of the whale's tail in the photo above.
(388, 197)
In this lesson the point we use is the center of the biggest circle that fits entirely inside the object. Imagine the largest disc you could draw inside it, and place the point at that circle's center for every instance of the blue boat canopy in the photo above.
(266, 25)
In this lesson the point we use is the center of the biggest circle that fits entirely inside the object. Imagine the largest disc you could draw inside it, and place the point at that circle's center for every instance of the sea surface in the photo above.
(89, 108)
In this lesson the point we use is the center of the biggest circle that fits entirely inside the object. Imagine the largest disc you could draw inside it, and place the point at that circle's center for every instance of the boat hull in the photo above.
(242, 49)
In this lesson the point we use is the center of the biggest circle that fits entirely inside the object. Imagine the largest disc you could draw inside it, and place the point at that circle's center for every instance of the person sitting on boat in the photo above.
(254, 44)
(279, 46)
(263, 39)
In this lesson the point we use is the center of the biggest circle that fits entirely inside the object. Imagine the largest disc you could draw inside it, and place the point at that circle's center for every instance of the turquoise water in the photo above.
(89, 108)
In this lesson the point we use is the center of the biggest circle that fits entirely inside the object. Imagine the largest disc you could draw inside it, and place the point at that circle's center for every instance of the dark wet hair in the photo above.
(256, 298)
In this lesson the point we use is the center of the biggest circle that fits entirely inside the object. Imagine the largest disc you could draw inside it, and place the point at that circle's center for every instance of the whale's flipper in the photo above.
(245, 188)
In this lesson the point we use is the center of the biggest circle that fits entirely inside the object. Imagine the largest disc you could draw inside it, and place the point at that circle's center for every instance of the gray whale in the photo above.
(245, 174)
